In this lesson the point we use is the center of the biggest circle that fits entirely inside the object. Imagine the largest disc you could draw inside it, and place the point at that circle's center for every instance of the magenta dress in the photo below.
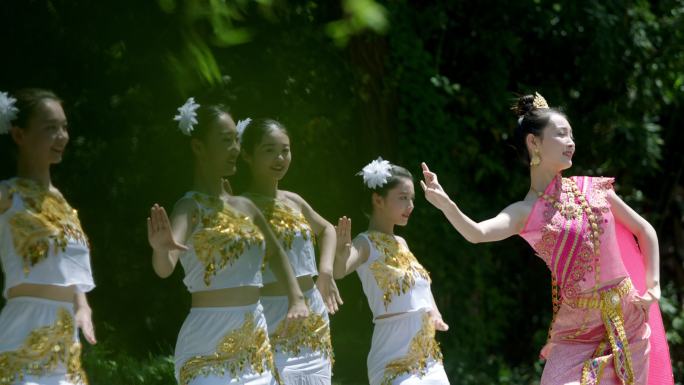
(597, 335)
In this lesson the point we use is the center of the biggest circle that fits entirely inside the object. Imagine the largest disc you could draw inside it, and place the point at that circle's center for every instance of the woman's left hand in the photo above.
(645, 301)
(84, 321)
(297, 310)
(328, 288)
(439, 323)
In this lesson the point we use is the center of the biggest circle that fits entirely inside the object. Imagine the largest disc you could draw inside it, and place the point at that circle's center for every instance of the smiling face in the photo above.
(219, 148)
(556, 147)
(397, 204)
(45, 137)
(271, 157)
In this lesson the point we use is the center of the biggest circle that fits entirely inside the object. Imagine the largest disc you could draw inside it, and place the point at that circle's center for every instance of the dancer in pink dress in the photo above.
(604, 329)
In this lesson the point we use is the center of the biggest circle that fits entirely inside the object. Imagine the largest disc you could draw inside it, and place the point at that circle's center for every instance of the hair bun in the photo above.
(523, 105)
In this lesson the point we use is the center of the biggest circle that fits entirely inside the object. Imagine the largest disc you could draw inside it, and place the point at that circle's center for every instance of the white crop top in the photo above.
(225, 249)
(41, 239)
(294, 233)
(392, 278)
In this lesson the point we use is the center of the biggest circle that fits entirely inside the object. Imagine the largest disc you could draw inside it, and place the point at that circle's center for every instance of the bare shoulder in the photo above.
(185, 205)
(185, 210)
(361, 244)
(295, 198)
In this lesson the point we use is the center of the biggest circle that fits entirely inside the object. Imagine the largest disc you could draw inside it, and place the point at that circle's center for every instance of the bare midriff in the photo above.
(234, 296)
(274, 289)
(51, 292)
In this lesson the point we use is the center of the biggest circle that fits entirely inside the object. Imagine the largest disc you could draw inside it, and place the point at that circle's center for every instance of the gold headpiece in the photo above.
(539, 101)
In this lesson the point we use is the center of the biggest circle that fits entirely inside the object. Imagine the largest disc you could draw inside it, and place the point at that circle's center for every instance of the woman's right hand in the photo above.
(343, 232)
(159, 231)
(434, 193)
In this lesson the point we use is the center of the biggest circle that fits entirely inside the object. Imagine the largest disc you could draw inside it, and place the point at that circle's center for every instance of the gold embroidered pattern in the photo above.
(574, 221)
(43, 351)
(47, 224)
(599, 189)
(423, 347)
(312, 332)
(285, 221)
(609, 301)
(244, 348)
(224, 235)
(396, 270)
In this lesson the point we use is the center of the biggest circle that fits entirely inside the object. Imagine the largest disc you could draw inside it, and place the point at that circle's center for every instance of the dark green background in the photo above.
(353, 79)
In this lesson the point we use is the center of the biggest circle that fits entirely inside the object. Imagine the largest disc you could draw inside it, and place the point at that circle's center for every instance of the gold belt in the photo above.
(609, 302)
(604, 299)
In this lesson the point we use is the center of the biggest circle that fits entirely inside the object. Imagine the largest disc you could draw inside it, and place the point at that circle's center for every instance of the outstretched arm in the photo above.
(507, 223)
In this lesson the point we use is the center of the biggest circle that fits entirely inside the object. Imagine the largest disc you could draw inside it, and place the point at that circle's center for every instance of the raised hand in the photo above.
(159, 231)
(343, 231)
(328, 288)
(434, 193)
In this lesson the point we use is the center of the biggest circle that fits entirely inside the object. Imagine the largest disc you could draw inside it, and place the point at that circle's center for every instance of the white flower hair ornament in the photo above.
(375, 173)
(241, 126)
(8, 112)
(187, 116)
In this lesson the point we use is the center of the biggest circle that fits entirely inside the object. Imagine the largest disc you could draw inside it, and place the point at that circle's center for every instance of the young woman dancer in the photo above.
(220, 240)
(585, 234)
(403, 350)
(303, 349)
(43, 249)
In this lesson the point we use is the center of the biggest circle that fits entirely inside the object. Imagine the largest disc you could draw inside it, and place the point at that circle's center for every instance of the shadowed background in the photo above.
(352, 80)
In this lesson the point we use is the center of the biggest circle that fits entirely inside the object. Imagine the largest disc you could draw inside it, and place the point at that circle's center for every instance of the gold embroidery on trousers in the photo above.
(312, 332)
(609, 302)
(422, 348)
(244, 348)
(44, 350)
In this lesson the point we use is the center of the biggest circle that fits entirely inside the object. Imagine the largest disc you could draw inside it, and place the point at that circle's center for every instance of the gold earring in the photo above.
(536, 159)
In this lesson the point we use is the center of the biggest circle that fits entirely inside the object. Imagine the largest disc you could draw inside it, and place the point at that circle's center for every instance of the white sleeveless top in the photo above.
(41, 239)
(392, 278)
(294, 233)
(225, 249)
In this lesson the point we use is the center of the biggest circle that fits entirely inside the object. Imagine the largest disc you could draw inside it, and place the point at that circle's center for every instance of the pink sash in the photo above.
(660, 367)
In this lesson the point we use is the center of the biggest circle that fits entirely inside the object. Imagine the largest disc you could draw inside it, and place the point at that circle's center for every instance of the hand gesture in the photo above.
(159, 231)
(328, 288)
(343, 231)
(433, 191)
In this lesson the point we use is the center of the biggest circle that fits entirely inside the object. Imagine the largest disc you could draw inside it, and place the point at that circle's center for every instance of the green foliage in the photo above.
(352, 80)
